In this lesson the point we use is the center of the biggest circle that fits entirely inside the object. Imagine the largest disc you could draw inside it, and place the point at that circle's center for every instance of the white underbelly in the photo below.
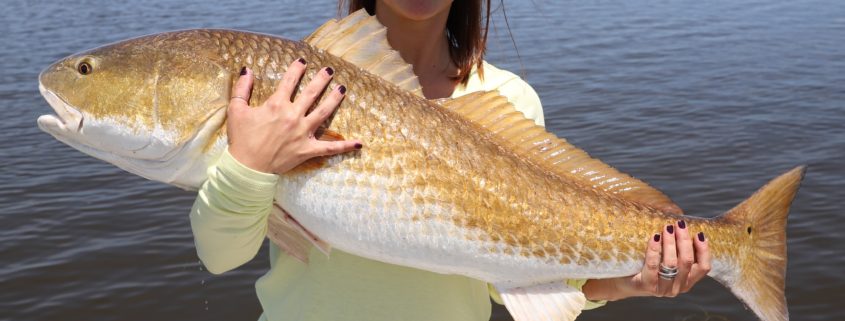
(356, 214)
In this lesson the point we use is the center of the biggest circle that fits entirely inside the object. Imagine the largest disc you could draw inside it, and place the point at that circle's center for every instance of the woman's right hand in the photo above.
(277, 136)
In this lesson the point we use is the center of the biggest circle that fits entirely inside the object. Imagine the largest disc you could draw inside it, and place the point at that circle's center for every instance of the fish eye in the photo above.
(84, 68)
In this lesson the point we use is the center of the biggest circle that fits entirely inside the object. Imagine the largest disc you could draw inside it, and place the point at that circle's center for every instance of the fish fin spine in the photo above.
(362, 40)
(509, 127)
(760, 279)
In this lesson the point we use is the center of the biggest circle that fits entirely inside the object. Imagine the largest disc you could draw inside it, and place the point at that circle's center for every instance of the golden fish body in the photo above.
(466, 186)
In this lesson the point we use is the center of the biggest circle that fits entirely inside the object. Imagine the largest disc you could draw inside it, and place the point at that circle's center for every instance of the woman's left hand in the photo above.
(674, 247)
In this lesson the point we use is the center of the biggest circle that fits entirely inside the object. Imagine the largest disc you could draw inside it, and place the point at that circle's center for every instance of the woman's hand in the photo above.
(673, 248)
(277, 136)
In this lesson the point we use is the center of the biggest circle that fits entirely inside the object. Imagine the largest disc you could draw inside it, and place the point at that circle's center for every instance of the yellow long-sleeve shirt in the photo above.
(229, 221)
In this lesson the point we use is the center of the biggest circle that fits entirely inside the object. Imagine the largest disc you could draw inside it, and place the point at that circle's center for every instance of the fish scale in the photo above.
(487, 208)
(465, 186)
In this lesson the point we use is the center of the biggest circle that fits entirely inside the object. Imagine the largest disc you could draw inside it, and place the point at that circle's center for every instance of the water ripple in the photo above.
(705, 100)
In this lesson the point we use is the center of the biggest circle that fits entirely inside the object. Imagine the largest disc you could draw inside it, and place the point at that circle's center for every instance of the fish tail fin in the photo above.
(759, 278)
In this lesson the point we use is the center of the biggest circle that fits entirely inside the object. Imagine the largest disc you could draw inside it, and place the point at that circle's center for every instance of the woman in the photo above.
(445, 44)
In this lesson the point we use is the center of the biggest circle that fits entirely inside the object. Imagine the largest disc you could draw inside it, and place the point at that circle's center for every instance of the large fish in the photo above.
(465, 186)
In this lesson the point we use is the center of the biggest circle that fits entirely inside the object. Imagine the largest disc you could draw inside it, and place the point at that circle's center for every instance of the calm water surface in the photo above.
(707, 100)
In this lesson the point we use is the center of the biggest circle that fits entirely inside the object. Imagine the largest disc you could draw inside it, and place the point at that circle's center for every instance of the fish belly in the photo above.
(355, 213)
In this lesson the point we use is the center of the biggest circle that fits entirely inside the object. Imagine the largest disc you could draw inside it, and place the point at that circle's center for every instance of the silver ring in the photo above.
(241, 98)
(667, 273)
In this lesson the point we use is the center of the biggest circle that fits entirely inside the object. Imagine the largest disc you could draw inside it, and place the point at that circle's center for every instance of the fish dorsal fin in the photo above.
(494, 113)
(547, 302)
(362, 40)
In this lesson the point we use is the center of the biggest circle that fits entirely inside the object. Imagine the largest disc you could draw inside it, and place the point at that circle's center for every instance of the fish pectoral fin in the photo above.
(509, 127)
(293, 239)
(547, 302)
(328, 135)
(362, 40)
(318, 162)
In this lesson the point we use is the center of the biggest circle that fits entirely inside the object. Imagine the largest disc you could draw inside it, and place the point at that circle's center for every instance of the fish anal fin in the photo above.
(362, 40)
(293, 239)
(497, 115)
(544, 302)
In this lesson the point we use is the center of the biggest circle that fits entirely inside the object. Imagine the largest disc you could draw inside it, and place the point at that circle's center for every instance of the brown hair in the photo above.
(464, 30)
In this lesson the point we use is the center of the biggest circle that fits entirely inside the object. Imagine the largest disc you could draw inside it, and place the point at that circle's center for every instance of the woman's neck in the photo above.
(422, 43)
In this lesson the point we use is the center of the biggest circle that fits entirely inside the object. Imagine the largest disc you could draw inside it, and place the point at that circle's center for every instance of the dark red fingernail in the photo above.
(243, 70)
(670, 229)
(342, 89)
(329, 71)
(657, 237)
(701, 236)
(302, 61)
(358, 146)
(682, 224)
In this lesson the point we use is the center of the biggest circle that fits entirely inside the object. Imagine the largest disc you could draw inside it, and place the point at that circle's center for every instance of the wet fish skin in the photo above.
(431, 190)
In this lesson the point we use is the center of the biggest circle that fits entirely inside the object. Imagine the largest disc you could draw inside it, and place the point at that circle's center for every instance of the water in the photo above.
(707, 100)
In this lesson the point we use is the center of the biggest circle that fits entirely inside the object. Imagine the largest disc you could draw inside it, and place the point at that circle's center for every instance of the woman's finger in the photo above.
(325, 108)
(670, 259)
(290, 80)
(313, 90)
(685, 256)
(242, 90)
(702, 261)
(328, 148)
(652, 264)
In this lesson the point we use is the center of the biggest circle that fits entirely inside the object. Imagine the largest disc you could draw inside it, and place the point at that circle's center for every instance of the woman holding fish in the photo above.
(445, 43)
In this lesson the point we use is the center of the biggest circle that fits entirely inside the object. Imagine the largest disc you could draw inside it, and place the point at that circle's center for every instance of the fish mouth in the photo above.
(67, 127)
(67, 118)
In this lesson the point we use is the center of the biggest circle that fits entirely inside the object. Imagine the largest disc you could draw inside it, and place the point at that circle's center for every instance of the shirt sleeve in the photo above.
(229, 216)
(526, 100)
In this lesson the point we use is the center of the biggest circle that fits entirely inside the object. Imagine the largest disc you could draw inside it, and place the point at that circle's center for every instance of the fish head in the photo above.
(154, 105)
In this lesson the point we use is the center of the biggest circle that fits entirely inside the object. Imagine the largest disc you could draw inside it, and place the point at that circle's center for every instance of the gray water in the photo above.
(707, 100)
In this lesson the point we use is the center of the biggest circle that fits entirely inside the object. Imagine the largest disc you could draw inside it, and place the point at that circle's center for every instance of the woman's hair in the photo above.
(464, 30)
